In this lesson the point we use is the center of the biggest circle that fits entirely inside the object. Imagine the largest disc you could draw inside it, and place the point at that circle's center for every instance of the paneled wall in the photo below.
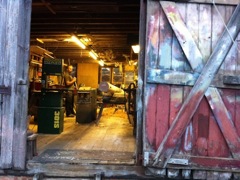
(88, 74)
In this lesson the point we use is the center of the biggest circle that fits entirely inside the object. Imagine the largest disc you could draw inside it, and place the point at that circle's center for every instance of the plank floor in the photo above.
(113, 134)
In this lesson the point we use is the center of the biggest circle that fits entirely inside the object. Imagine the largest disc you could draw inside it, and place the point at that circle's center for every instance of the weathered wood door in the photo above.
(192, 87)
(14, 56)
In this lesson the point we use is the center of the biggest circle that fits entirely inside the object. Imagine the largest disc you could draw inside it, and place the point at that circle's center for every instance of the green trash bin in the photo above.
(50, 120)
(51, 99)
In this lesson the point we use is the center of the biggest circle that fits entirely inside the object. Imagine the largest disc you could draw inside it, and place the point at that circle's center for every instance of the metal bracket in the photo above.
(146, 158)
(178, 161)
(5, 90)
(234, 80)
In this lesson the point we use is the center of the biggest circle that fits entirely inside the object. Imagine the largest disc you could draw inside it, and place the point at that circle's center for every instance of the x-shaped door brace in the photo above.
(201, 86)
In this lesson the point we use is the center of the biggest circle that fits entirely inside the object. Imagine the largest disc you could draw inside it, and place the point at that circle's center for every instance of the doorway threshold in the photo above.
(58, 163)
(84, 157)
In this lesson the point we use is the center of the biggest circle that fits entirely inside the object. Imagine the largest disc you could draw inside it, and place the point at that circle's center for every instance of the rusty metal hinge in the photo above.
(5, 90)
(231, 80)
(178, 161)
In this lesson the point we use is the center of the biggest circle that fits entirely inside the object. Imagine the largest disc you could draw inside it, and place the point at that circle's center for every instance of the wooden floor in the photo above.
(113, 134)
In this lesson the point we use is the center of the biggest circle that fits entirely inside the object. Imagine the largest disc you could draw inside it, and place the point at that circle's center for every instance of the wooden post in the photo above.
(14, 49)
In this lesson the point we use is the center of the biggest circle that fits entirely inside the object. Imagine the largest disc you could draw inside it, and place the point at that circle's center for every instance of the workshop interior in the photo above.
(100, 39)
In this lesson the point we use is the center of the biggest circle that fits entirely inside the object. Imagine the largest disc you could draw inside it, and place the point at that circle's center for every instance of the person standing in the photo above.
(69, 84)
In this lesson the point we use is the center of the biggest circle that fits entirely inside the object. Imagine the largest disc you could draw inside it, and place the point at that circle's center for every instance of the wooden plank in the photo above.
(226, 2)
(164, 76)
(152, 61)
(151, 109)
(188, 138)
(152, 46)
(215, 163)
(237, 120)
(177, 64)
(163, 90)
(22, 80)
(165, 44)
(15, 18)
(231, 58)
(155, 39)
(175, 104)
(200, 87)
(217, 146)
(140, 130)
(216, 143)
(201, 129)
(207, 163)
(3, 41)
(8, 53)
(184, 37)
(201, 116)
(218, 15)
(151, 50)
(225, 123)
(205, 31)
(82, 170)
(162, 116)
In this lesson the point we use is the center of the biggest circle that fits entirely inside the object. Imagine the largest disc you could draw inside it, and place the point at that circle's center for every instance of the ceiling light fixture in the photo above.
(78, 42)
(93, 54)
(49, 55)
(136, 48)
(101, 63)
(39, 40)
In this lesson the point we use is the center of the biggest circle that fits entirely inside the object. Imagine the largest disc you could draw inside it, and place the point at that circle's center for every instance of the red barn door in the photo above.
(192, 97)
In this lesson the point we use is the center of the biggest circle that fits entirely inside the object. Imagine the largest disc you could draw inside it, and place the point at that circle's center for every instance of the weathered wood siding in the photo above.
(14, 55)
(192, 87)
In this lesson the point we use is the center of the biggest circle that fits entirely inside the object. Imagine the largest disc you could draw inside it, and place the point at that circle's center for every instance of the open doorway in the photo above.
(106, 30)
(107, 136)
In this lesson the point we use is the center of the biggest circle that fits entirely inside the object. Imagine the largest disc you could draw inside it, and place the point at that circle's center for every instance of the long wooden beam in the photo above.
(227, 2)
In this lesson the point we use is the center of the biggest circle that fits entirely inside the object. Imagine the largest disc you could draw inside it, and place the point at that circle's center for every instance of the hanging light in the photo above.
(136, 48)
(93, 54)
(78, 42)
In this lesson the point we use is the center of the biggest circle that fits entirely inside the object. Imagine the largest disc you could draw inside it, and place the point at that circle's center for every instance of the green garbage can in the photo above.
(50, 120)
(51, 113)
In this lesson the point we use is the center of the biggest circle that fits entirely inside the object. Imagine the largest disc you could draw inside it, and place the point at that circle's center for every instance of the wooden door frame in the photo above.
(15, 42)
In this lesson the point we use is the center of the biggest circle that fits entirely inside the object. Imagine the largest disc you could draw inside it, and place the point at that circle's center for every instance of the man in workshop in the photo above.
(70, 85)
